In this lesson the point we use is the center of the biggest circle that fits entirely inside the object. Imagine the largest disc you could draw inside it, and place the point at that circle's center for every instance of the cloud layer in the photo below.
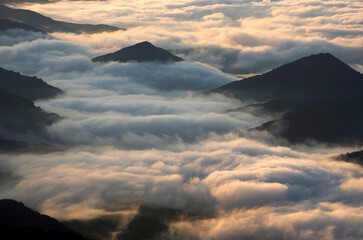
(240, 37)
(133, 105)
(139, 134)
(237, 188)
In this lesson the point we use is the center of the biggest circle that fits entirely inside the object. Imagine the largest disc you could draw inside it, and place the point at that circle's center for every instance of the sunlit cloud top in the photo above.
(240, 37)
(138, 134)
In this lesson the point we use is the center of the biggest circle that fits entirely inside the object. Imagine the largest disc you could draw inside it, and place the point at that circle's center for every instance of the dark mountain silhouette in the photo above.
(319, 77)
(321, 123)
(150, 223)
(141, 52)
(19, 115)
(11, 145)
(353, 157)
(275, 107)
(99, 228)
(17, 147)
(49, 25)
(20, 222)
(28, 87)
(337, 121)
(6, 24)
(314, 98)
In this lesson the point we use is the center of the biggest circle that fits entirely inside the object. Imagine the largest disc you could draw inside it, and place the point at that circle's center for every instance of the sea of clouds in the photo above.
(240, 37)
(142, 134)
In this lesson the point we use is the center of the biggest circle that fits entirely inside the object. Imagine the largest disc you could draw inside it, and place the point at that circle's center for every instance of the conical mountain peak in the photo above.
(144, 44)
(319, 76)
(140, 52)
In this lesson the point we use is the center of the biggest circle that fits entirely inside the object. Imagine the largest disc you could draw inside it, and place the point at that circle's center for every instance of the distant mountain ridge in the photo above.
(49, 25)
(316, 98)
(140, 52)
(6, 24)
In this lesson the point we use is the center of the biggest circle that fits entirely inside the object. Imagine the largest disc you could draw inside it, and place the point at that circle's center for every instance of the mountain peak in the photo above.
(319, 60)
(318, 76)
(314, 65)
(144, 44)
(140, 52)
(322, 55)
(316, 98)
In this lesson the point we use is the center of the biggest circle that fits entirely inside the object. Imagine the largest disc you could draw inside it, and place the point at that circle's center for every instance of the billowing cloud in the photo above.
(139, 134)
(240, 37)
(243, 194)
(279, 223)
(14, 36)
(50, 56)
(130, 105)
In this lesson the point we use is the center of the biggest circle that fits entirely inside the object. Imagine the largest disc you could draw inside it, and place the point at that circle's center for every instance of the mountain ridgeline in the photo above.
(319, 77)
(6, 24)
(140, 52)
(316, 98)
(49, 25)
(32, 88)
(18, 114)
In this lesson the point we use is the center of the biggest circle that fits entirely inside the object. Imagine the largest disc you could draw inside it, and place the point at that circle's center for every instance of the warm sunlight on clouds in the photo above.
(151, 136)
(234, 186)
(240, 37)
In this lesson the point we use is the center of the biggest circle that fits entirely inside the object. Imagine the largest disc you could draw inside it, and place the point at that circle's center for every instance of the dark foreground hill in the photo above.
(314, 98)
(20, 222)
(141, 52)
(49, 25)
(32, 88)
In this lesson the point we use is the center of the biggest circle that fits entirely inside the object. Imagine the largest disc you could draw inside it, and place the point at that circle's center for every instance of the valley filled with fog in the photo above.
(147, 135)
